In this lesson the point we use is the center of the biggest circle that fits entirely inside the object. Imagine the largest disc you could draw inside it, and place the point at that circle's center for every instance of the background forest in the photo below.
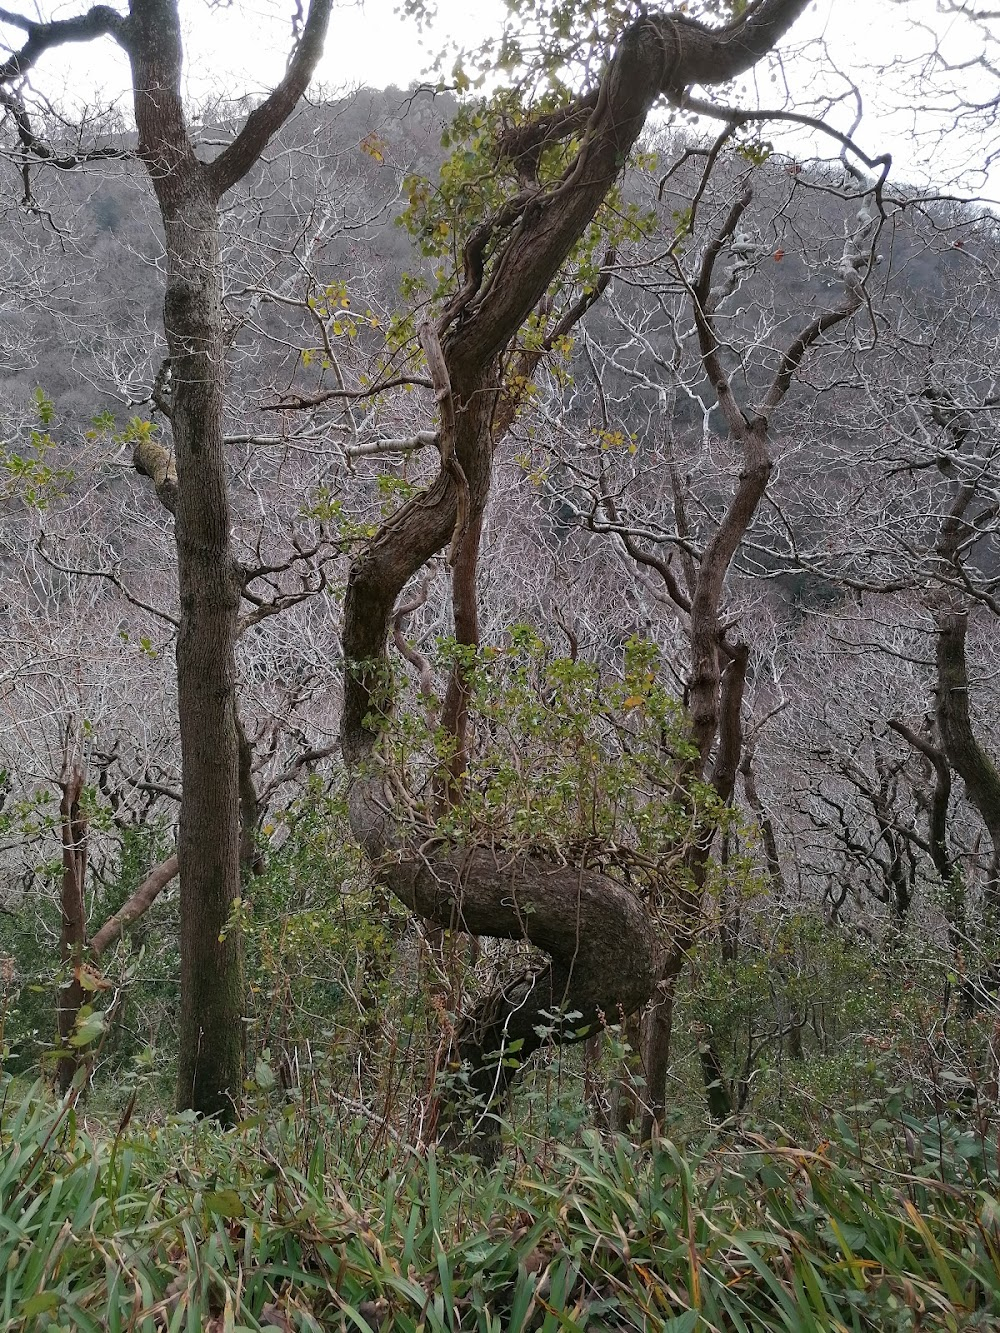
(613, 774)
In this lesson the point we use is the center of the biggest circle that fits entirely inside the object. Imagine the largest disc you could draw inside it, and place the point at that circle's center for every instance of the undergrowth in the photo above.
(298, 1220)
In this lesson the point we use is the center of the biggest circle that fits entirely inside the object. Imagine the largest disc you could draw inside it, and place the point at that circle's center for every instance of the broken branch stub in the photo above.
(150, 459)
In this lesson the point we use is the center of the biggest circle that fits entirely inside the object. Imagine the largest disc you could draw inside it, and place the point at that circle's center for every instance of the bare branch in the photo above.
(140, 902)
(99, 21)
(112, 577)
(406, 445)
(292, 401)
(264, 121)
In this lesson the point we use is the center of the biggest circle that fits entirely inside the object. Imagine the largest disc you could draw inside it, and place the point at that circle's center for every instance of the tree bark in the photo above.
(968, 758)
(210, 1064)
(599, 939)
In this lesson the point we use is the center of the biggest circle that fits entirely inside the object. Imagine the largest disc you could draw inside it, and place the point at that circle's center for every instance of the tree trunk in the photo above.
(600, 943)
(975, 767)
(73, 931)
(715, 697)
(210, 1065)
(625, 1092)
(657, 1032)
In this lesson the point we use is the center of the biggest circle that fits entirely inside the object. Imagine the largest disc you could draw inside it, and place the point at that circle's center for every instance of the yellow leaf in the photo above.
(89, 979)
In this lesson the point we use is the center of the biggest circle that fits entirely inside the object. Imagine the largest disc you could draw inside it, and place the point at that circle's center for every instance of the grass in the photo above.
(295, 1222)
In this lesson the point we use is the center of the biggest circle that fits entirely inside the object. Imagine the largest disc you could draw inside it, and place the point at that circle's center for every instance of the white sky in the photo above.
(238, 48)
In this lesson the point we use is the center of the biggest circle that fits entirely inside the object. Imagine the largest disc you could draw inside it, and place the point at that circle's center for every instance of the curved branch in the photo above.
(264, 121)
(655, 55)
(737, 116)
(940, 797)
(597, 934)
(599, 938)
(99, 21)
(420, 663)
(658, 54)
(291, 401)
(111, 576)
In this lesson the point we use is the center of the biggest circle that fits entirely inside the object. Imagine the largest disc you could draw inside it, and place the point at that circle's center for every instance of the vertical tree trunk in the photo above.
(188, 191)
(73, 929)
(211, 1029)
(209, 576)
(657, 1031)
(965, 754)
(210, 1065)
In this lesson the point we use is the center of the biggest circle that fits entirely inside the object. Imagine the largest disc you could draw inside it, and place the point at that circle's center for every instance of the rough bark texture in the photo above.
(596, 934)
(727, 703)
(657, 1031)
(455, 709)
(250, 856)
(211, 1032)
(151, 460)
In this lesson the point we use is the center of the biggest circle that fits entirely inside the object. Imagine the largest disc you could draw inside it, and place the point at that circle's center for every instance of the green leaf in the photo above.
(88, 1030)
(40, 1303)
(682, 1323)
(225, 1203)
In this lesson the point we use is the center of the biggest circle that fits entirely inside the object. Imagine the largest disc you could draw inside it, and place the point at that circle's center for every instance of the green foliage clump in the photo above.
(25, 470)
(143, 968)
(566, 759)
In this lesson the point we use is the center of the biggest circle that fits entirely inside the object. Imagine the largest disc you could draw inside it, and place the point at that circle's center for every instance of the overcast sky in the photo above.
(241, 47)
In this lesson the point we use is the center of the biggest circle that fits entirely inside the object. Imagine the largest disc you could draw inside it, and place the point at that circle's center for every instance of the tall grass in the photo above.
(296, 1222)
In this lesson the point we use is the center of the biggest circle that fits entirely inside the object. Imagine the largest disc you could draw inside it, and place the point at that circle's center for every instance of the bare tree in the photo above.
(893, 536)
(677, 499)
(188, 191)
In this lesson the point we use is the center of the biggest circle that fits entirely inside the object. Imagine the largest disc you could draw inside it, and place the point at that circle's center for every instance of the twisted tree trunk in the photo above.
(598, 937)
